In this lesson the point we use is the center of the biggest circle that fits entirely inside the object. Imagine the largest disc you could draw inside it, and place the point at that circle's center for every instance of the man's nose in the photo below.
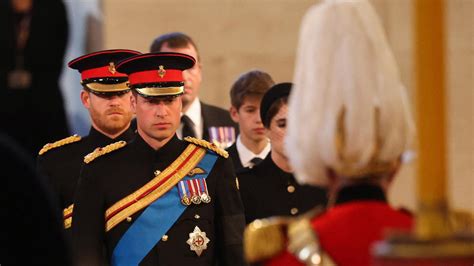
(161, 110)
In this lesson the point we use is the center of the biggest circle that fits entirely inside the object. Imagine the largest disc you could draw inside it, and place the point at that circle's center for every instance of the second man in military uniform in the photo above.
(107, 98)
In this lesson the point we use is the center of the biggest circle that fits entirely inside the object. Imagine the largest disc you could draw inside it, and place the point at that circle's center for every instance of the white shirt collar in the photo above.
(194, 113)
(246, 155)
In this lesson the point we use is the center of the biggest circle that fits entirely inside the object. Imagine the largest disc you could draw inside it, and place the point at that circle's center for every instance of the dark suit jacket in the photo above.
(234, 155)
(214, 116)
(116, 175)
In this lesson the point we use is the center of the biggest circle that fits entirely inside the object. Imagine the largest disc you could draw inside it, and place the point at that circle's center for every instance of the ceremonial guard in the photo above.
(347, 82)
(270, 188)
(106, 96)
(158, 200)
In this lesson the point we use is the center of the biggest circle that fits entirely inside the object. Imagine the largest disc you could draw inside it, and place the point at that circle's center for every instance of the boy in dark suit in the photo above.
(252, 146)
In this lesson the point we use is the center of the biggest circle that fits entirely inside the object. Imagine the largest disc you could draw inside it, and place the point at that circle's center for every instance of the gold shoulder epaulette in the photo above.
(59, 143)
(104, 150)
(265, 238)
(303, 241)
(207, 145)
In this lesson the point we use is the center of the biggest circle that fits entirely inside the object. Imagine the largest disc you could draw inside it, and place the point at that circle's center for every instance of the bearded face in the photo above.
(109, 114)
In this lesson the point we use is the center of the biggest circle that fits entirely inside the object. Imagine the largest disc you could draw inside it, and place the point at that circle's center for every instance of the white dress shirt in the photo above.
(246, 155)
(194, 113)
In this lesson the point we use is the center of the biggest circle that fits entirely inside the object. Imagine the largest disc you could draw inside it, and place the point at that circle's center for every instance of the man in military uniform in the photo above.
(165, 201)
(354, 143)
(107, 97)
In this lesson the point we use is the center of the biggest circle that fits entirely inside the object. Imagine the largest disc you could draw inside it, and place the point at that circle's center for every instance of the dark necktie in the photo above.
(188, 127)
(255, 161)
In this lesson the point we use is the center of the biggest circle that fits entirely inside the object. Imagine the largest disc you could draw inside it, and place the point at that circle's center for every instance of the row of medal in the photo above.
(193, 191)
(222, 137)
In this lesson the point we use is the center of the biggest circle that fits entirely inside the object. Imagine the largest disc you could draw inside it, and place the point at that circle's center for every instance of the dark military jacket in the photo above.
(234, 155)
(266, 191)
(62, 165)
(114, 176)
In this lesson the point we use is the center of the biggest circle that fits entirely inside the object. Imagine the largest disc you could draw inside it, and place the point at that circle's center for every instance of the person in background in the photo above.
(32, 47)
(200, 120)
(252, 145)
(166, 201)
(347, 80)
(270, 188)
(106, 96)
(31, 233)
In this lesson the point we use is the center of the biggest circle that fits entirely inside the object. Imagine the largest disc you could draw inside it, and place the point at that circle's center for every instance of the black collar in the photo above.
(359, 192)
(171, 149)
(94, 134)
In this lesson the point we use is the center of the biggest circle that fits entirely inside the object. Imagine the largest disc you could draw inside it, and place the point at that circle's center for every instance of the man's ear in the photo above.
(133, 103)
(234, 114)
(85, 99)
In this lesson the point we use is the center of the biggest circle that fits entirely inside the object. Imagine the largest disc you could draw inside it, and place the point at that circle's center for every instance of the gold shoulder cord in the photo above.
(104, 150)
(265, 238)
(207, 145)
(59, 143)
(303, 243)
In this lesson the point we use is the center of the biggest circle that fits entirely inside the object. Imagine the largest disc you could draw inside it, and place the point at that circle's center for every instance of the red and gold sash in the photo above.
(67, 216)
(154, 189)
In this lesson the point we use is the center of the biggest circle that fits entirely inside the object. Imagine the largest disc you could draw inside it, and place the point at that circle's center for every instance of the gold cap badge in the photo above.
(161, 71)
(112, 68)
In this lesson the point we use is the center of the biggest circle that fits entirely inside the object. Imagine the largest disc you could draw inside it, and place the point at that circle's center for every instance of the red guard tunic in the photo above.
(347, 231)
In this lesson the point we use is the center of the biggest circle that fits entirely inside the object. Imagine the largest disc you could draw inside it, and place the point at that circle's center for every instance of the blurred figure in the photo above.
(34, 37)
(31, 232)
(85, 36)
(200, 120)
(270, 189)
(106, 96)
(347, 82)
(252, 145)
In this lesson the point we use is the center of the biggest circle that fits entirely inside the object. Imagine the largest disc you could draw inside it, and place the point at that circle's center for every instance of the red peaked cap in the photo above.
(157, 74)
(97, 66)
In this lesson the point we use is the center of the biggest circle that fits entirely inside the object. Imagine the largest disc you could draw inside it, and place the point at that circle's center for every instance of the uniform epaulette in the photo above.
(104, 150)
(265, 238)
(59, 143)
(303, 241)
(207, 145)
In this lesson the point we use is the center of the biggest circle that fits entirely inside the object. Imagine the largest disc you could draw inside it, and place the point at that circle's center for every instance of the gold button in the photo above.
(197, 216)
(290, 189)
(129, 219)
(293, 211)
(157, 172)
(164, 238)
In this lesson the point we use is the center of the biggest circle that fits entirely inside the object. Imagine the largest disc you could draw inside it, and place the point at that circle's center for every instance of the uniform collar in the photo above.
(360, 192)
(168, 150)
(96, 135)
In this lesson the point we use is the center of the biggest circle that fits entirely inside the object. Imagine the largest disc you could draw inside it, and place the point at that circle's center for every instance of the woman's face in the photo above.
(276, 132)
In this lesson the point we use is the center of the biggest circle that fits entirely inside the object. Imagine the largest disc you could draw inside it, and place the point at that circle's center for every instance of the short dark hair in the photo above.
(252, 83)
(273, 110)
(173, 40)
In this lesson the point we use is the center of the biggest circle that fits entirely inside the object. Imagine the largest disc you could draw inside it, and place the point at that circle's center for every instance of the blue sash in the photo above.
(154, 222)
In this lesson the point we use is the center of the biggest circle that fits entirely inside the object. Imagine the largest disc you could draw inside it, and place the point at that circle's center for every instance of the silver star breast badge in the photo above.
(198, 241)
